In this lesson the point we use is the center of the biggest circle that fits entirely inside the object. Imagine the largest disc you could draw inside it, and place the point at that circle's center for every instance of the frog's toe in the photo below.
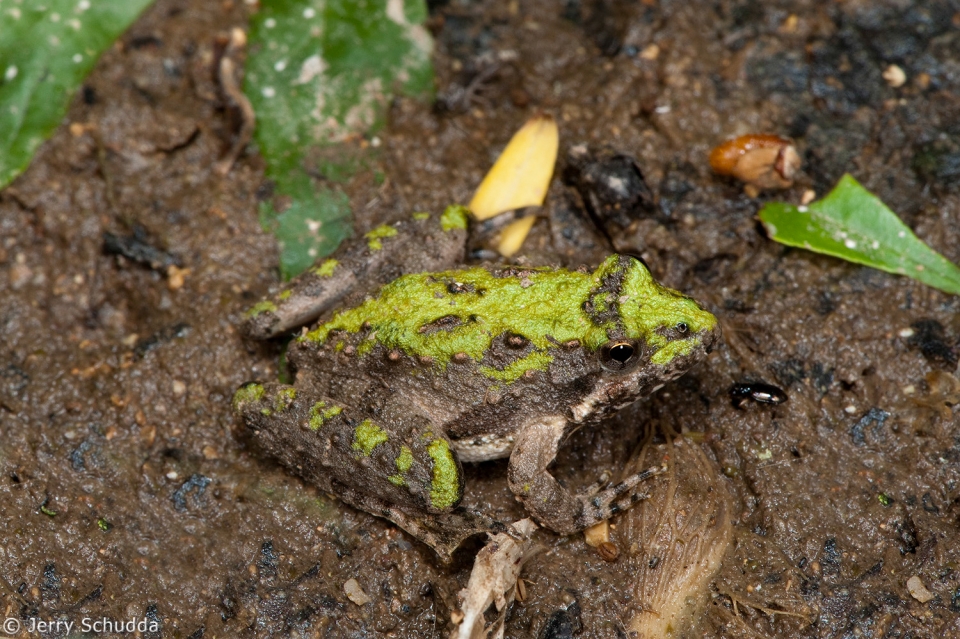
(601, 504)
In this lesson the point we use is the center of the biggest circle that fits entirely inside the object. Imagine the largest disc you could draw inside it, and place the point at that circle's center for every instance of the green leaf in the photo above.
(46, 49)
(853, 224)
(320, 75)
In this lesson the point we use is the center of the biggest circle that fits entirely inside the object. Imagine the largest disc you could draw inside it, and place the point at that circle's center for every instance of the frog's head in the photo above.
(649, 335)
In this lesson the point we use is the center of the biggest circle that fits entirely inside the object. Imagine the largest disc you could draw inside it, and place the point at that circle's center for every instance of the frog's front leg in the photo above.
(550, 503)
(418, 244)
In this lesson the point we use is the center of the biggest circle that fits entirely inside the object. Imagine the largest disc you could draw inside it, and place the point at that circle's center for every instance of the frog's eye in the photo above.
(619, 355)
(682, 328)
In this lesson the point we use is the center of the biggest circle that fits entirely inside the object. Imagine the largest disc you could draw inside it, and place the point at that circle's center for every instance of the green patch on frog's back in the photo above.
(320, 414)
(263, 306)
(441, 315)
(403, 462)
(326, 268)
(368, 436)
(380, 233)
(247, 394)
(445, 484)
(454, 217)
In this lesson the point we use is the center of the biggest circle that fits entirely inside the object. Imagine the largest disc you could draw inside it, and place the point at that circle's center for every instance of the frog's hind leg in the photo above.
(549, 502)
(444, 532)
(398, 467)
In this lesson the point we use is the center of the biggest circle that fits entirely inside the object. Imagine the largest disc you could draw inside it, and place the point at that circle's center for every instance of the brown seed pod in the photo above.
(761, 161)
(608, 551)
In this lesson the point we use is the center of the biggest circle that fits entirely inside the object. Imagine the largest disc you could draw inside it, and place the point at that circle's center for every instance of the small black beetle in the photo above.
(757, 392)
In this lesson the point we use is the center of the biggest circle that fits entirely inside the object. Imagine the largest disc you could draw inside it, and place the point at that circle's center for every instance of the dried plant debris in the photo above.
(757, 577)
(612, 187)
(494, 580)
(675, 540)
(521, 175)
(761, 161)
(137, 247)
(519, 179)
(943, 395)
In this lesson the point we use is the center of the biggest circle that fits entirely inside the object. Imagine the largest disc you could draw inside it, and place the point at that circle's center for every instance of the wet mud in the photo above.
(127, 490)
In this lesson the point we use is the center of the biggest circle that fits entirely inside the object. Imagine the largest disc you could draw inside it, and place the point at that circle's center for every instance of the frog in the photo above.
(411, 368)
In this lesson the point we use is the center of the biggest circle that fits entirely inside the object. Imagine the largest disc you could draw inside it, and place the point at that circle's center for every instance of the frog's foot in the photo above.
(600, 501)
(444, 532)
(550, 503)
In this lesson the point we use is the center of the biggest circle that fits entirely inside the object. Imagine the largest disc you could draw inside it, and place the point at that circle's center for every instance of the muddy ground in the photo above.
(128, 491)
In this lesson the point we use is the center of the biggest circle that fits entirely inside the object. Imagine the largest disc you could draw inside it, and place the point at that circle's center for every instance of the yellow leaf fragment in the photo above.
(521, 175)
(512, 237)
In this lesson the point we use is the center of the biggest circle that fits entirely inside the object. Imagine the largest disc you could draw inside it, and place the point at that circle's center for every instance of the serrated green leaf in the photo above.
(47, 47)
(853, 224)
(320, 75)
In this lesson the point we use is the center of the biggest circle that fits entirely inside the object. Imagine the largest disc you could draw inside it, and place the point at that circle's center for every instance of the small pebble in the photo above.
(895, 76)
(355, 593)
(918, 591)
(850, 410)
(597, 534)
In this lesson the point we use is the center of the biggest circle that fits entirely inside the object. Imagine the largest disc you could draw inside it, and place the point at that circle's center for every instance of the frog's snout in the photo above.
(712, 338)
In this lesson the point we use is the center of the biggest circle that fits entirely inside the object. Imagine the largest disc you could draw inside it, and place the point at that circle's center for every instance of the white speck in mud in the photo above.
(850, 409)
(280, 65)
(850, 244)
(662, 109)
(905, 333)
(311, 68)
(269, 92)
(309, 13)
(77, 58)
(10, 73)
(269, 23)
